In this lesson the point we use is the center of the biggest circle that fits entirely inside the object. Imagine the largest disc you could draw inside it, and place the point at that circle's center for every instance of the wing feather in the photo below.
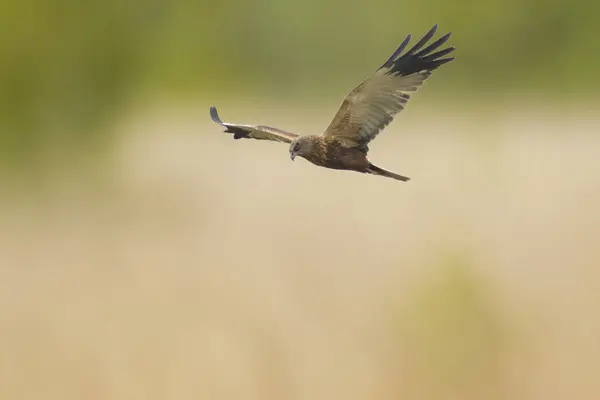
(259, 132)
(372, 105)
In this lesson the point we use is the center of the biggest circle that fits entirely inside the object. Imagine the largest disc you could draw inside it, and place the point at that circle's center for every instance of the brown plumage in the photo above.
(365, 111)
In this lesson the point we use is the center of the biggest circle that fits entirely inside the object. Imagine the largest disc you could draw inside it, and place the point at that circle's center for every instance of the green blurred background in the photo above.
(145, 254)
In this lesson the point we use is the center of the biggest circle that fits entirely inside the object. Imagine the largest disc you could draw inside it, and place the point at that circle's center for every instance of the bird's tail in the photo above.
(375, 170)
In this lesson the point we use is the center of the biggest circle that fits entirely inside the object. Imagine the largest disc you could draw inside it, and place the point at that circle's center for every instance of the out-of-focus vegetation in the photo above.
(67, 67)
(219, 269)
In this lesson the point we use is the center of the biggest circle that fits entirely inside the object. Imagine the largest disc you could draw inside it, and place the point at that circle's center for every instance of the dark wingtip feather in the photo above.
(439, 63)
(399, 50)
(439, 54)
(238, 133)
(427, 59)
(215, 115)
(445, 60)
(433, 46)
(423, 40)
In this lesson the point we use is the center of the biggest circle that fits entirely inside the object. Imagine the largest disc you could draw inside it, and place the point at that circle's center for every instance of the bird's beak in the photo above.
(292, 156)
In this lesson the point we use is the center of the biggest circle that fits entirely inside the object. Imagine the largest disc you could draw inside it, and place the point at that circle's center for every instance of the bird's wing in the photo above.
(259, 132)
(372, 105)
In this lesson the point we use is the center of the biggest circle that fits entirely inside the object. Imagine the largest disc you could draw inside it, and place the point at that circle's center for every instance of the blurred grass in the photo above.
(234, 272)
(454, 335)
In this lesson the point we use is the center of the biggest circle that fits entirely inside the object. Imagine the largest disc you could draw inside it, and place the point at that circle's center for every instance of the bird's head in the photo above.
(301, 146)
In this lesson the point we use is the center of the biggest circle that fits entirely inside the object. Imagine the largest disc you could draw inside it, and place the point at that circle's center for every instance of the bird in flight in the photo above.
(365, 111)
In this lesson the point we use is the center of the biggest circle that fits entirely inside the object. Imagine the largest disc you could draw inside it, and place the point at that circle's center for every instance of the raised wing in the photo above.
(259, 132)
(372, 105)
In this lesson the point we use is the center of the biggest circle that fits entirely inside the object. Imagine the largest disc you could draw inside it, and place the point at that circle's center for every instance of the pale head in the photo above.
(301, 146)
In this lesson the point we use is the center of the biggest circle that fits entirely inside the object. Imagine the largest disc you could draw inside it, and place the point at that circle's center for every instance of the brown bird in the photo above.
(365, 111)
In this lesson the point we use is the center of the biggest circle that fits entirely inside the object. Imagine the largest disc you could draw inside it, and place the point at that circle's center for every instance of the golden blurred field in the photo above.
(194, 266)
(146, 255)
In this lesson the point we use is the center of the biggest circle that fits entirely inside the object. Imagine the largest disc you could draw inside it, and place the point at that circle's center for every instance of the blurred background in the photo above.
(144, 254)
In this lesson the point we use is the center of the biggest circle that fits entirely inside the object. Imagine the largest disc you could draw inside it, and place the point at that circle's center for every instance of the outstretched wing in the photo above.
(259, 132)
(372, 105)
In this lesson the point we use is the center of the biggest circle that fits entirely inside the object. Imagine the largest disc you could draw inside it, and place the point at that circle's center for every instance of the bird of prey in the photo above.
(365, 111)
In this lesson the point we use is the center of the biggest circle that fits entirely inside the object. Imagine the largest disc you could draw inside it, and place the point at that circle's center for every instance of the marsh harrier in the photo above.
(365, 111)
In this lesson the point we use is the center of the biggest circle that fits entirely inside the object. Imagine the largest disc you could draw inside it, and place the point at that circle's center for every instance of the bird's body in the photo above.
(329, 152)
(365, 111)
